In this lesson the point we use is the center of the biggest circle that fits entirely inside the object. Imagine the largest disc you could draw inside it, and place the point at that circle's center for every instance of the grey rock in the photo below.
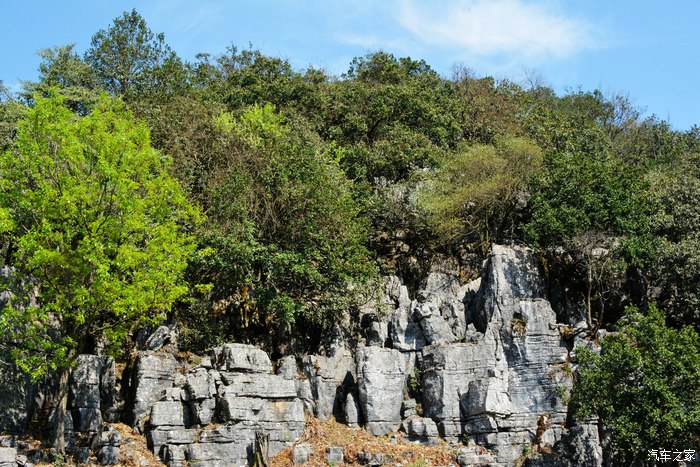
(8, 456)
(17, 397)
(445, 290)
(287, 367)
(406, 333)
(218, 455)
(92, 390)
(84, 386)
(169, 413)
(174, 455)
(302, 452)
(153, 372)
(230, 433)
(200, 384)
(306, 395)
(499, 384)
(474, 455)
(580, 446)
(381, 375)
(408, 408)
(173, 394)
(423, 430)
(376, 333)
(435, 329)
(241, 358)
(251, 409)
(329, 378)
(373, 458)
(108, 455)
(81, 455)
(107, 437)
(162, 336)
(158, 438)
(334, 455)
(352, 413)
(257, 385)
(87, 420)
(203, 411)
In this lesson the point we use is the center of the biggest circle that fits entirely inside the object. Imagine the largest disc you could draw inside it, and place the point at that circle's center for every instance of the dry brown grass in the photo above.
(134, 448)
(321, 435)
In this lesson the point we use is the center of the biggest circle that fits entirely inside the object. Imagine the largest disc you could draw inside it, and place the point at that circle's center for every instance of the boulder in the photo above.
(241, 358)
(330, 378)
(423, 430)
(301, 454)
(153, 372)
(381, 375)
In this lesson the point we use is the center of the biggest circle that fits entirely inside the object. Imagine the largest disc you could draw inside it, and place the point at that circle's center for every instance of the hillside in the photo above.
(487, 239)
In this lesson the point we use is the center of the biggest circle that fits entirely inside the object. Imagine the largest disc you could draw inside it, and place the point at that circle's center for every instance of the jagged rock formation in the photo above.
(493, 360)
(486, 360)
(213, 415)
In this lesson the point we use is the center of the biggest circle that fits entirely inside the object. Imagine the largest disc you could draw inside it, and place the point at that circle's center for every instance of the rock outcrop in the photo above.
(213, 416)
(480, 363)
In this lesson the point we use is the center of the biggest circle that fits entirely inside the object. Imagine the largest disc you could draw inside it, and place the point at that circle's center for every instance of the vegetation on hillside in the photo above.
(301, 188)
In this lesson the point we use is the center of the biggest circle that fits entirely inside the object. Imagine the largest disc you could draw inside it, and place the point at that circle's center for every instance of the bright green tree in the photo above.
(644, 386)
(476, 192)
(95, 231)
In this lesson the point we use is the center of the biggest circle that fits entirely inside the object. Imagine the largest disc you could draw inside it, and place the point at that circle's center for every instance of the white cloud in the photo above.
(516, 28)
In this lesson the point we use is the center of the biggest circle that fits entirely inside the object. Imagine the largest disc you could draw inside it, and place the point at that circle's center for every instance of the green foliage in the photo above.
(128, 60)
(582, 193)
(62, 68)
(476, 192)
(96, 222)
(645, 385)
(395, 114)
(676, 222)
(10, 113)
(285, 230)
(485, 109)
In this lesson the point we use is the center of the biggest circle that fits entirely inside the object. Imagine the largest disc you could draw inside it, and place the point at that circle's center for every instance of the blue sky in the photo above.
(649, 50)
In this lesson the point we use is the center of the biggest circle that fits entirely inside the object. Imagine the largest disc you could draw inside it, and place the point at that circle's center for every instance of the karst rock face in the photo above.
(481, 363)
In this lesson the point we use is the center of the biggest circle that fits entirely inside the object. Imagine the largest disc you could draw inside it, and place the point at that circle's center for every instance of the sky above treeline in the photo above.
(648, 50)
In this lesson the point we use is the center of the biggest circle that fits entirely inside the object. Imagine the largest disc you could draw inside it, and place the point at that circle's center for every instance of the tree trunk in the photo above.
(262, 442)
(59, 412)
(590, 290)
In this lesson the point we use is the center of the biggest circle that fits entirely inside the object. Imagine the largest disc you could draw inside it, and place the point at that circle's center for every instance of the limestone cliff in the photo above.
(482, 364)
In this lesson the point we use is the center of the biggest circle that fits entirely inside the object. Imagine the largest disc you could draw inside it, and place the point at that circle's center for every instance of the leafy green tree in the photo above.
(62, 68)
(128, 60)
(396, 114)
(98, 225)
(476, 192)
(676, 222)
(486, 108)
(10, 112)
(582, 193)
(644, 385)
(286, 234)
